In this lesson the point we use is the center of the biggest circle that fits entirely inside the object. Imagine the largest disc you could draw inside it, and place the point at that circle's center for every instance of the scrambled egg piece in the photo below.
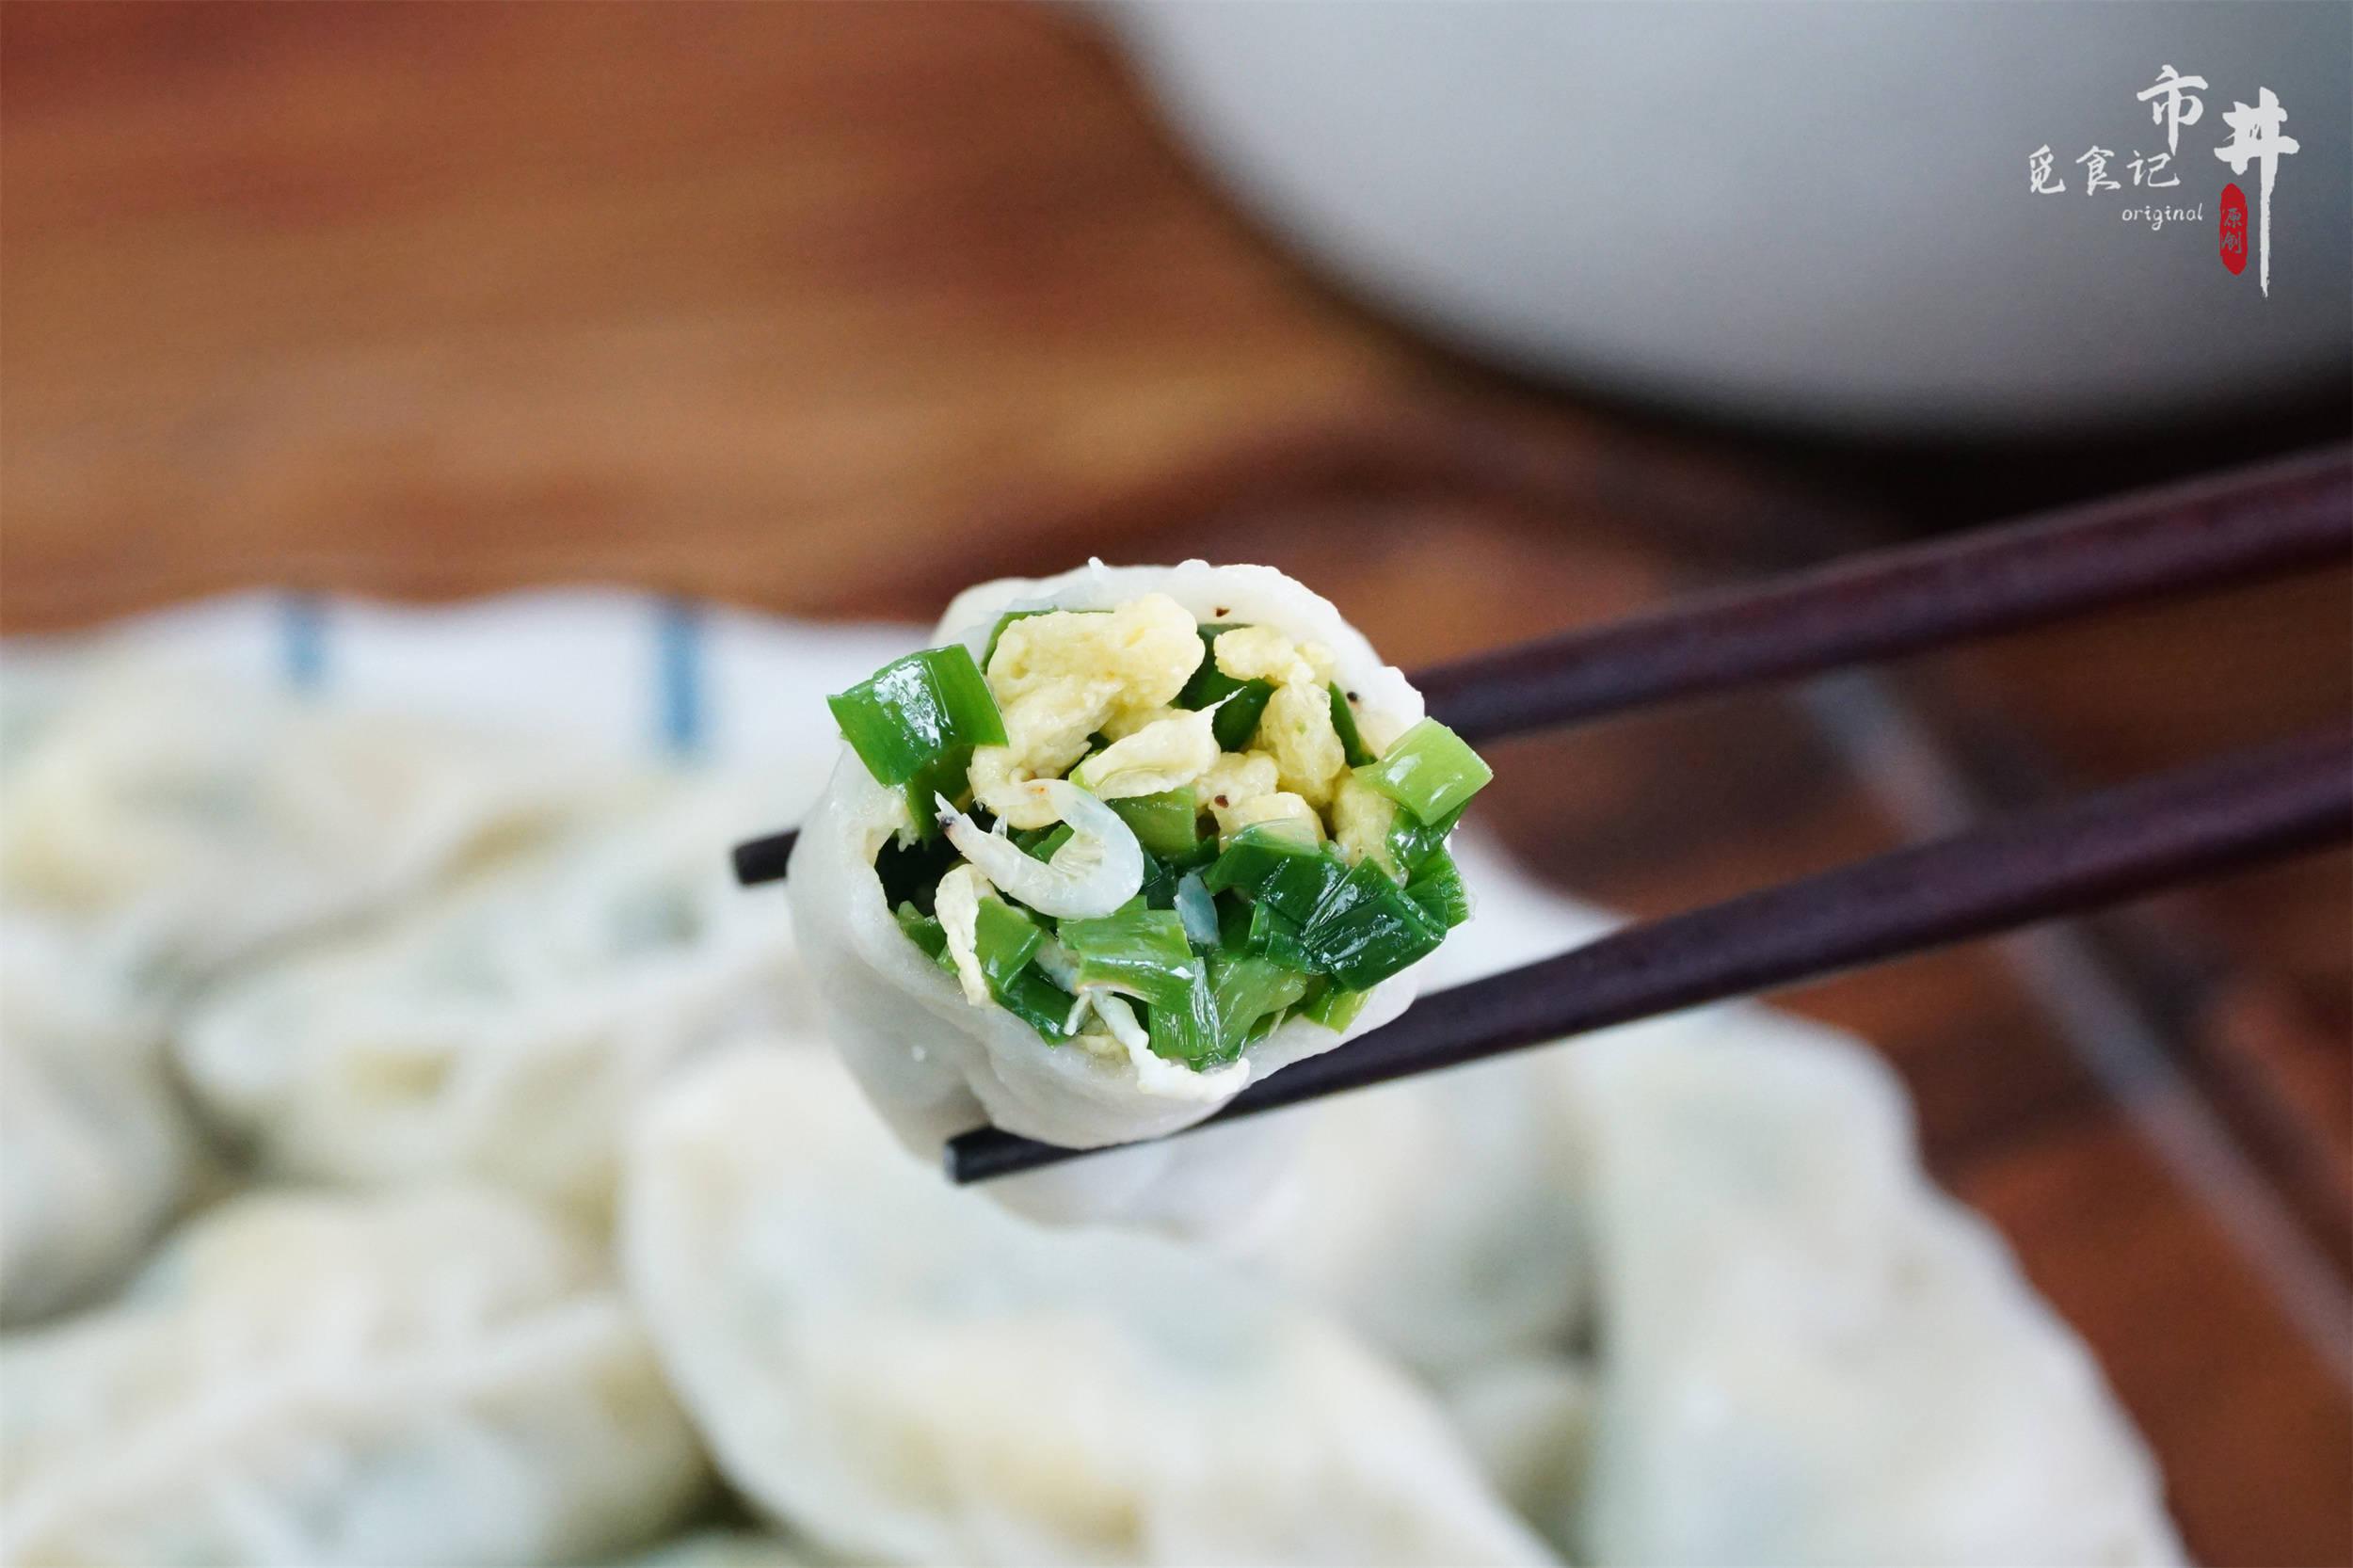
(1234, 780)
(957, 905)
(1060, 677)
(1282, 808)
(1298, 730)
(1129, 720)
(1262, 653)
(1361, 819)
(1297, 725)
(1163, 755)
(1240, 789)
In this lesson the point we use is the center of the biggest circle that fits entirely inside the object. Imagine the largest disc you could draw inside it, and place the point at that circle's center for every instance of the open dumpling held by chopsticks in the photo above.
(1122, 840)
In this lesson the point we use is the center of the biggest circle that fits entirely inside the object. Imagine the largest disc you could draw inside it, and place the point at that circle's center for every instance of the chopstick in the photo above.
(2209, 533)
(2077, 855)
(759, 860)
(2234, 527)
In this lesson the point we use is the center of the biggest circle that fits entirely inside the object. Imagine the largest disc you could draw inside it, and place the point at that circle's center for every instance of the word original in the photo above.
(2157, 218)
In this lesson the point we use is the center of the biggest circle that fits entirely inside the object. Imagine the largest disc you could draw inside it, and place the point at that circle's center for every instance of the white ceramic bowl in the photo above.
(1800, 212)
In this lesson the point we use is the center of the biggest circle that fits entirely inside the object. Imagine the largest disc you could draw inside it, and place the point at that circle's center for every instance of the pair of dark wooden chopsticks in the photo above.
(2277, 517)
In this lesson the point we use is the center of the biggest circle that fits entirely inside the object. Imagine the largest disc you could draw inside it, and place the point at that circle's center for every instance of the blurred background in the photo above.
(1486, 322)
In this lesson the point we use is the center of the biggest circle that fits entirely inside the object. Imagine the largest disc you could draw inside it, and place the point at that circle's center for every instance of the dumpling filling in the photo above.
(1155, 839)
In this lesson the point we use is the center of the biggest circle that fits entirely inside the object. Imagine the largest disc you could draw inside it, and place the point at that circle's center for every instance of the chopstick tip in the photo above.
(986, 1153)
(759, 860)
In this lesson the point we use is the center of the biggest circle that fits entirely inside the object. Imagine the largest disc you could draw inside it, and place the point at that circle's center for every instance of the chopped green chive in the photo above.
(1005, 939)
(915, 710)
(1238, 719)
(949, 776)
(923, 931)
(1344, 721)
(1363, 938)
(1234, 915)
(1167, 823)
(1351, 923)
(1037, 1001)
(1162, 873)
(1043, 843)
(1207, 682)
(1430, 772)
(914, 724)
(1335, 1007)
(1272, 867)
(1276, 938)
(1159, 883)
(1246, 989)
(1139, 950)
(1413, 841)
(1184, 1026)
(1437, 886)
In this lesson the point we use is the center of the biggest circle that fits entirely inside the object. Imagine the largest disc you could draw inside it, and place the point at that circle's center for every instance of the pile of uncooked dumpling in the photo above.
(418, 1150)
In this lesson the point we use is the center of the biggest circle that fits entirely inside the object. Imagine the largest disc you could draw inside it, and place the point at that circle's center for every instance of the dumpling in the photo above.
(1808, 1354)
(1443, 1216)
(1440, 1215)
(504, 1027)
(899, 1370)
(199, 822)
(1690, 1299)
(1180, 968)
(96, 1148)
(93, 1160)
(440, 1376)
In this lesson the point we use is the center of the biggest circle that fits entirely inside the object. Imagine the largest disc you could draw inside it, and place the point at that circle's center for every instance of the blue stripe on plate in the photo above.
(679, 644)
(302, 630)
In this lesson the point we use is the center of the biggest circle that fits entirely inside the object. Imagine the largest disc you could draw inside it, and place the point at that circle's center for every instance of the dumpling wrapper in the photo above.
(935, 1065)
(1690, 1297)
(96, 1147)
(1440, 1214)
(899, 1370)
(1530, 1419)
(506, 1029)
(1809, 1355)
(440, 1376)
(195, 822)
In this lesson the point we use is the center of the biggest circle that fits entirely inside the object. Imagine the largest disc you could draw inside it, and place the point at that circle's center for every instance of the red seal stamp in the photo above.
(2234, 228)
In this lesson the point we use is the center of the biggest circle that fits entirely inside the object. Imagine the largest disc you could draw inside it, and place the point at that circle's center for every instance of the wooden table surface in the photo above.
(830, 310)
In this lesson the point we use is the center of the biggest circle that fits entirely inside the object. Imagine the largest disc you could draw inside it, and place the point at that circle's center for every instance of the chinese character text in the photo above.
(2255, 138)
(2095, 163)
(2165, 102)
